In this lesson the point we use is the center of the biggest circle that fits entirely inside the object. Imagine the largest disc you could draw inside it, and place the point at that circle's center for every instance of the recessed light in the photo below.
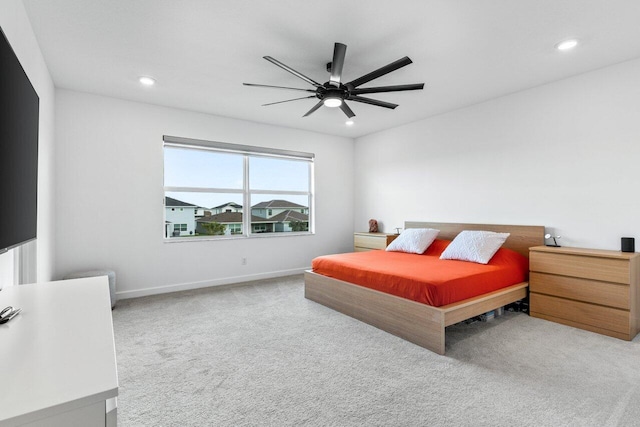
(349, 123)
(567, 44)
(147, 81)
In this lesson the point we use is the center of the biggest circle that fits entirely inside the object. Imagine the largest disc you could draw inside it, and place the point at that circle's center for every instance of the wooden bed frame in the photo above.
(422, 324)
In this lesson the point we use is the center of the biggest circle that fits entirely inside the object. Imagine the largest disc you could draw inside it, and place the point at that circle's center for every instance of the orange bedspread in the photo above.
(425, 278)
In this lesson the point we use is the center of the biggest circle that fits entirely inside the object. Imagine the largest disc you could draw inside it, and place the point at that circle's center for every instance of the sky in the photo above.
(203, 169)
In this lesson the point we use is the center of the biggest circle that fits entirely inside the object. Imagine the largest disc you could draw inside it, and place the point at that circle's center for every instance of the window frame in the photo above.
(247, 152)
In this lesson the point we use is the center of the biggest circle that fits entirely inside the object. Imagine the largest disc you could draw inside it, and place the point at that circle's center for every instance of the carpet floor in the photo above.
(260, 354)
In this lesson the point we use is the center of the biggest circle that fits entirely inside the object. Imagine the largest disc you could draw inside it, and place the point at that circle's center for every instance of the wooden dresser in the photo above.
(369, 241)
(595, 290)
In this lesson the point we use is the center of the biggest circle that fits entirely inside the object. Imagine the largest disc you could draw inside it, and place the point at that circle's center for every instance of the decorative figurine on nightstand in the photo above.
(555, 243)
(373, 226)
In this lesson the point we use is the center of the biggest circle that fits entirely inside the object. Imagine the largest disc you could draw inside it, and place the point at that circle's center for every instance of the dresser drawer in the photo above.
(603, 269)
(370, 242)
(602, 293)
(579, 312)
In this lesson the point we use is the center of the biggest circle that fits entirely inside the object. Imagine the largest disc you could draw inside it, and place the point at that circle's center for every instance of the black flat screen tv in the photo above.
(19, 117)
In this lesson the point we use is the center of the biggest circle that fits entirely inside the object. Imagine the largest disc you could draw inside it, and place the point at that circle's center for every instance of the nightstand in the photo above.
(595, 290)
(369, 241)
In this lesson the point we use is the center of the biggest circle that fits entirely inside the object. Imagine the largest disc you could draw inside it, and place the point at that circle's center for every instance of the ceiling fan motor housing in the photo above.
(330, 91)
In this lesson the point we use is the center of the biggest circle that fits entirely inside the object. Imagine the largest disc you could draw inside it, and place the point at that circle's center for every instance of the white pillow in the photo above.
(474, 246)
(414, 240)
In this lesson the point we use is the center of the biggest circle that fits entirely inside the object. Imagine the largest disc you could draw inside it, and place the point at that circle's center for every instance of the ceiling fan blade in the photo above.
(345, 108)
(289, 100)
(339, 51)
(380, 72)
(372, 102)
(278, 87)
(379, 89)
(292, 71)
(315, 107)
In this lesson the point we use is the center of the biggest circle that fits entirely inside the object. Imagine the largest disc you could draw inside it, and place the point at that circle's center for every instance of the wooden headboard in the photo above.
(521, 239)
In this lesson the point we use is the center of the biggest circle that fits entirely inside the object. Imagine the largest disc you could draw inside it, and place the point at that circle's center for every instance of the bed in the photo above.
(414, 321)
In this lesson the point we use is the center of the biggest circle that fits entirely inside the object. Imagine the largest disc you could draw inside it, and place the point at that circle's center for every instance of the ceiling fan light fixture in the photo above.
(332, 102)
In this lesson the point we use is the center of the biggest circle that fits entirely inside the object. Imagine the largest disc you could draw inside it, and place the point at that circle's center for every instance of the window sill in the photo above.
(236, 237)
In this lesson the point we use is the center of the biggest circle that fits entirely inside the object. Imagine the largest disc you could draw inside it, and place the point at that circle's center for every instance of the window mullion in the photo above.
(311, 197)
(202, 190)
(290, 192)
(246, 217)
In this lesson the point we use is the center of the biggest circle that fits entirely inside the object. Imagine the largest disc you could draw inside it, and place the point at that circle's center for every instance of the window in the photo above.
(179, 227)
(259, 228)
(239, 190)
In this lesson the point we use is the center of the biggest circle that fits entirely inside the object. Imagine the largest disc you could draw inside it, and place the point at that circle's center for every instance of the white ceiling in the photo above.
(201, 51)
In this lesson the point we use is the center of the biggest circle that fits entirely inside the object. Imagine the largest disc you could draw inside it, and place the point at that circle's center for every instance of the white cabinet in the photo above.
(58, 361)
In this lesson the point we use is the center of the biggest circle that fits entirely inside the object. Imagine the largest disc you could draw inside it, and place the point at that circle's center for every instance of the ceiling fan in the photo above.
(334, 93)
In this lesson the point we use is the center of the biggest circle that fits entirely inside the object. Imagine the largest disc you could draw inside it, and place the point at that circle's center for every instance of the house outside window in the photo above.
(237, 190)
(178, 221)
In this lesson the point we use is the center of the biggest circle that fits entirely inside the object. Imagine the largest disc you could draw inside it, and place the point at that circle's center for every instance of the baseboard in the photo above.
(207, 283)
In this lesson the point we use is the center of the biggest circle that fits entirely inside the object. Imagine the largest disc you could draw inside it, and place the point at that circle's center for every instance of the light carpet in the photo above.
(260, 354)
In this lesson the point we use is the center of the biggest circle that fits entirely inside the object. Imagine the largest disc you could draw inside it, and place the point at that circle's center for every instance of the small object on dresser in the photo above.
(373, 226)
(8, 313)
(628, 244)
(555, 242)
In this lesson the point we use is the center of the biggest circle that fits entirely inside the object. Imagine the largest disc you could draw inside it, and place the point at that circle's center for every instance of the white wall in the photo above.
(109, 165)
(17, 28)
(6, 270)
(564, 155)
